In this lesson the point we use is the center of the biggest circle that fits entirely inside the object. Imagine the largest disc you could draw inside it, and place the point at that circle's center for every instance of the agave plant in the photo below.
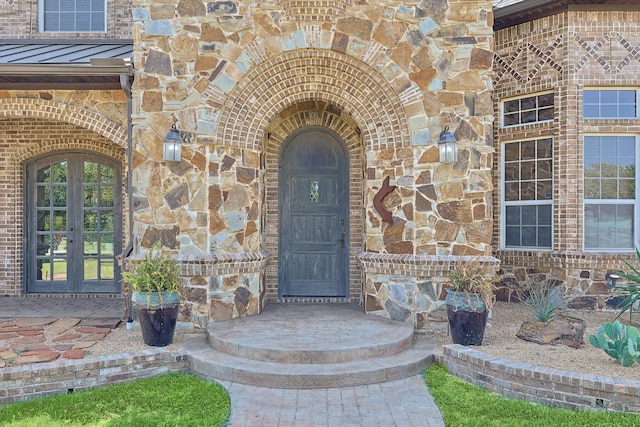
(543, 298)
(631, 289)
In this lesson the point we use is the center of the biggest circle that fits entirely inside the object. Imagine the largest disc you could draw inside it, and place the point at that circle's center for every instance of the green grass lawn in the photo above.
(168, 400)
(465, 405)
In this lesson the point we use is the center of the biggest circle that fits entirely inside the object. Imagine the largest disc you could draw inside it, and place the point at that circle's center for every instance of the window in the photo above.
(610, 104)
(609, 192)
(75, 16)
(532, 109)
(528, 194)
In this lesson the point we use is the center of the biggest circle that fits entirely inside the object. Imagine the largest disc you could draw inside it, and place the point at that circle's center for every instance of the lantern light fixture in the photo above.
(172, 145)
(448, 146)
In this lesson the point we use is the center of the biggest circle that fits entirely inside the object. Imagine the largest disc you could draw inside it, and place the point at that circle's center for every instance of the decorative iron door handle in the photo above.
(341, 240)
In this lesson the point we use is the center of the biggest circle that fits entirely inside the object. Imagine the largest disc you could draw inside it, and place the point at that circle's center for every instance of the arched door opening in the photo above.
(314, 215)
(73, 223)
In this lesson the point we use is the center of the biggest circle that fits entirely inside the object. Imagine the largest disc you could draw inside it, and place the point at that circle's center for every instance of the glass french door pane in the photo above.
(59, 269)
(106, 245)
(90, 244)
(90, 196)
(60, 172)
(91, 269)
(107, 221)
(107, 268)
(107, 174)
(107, 197)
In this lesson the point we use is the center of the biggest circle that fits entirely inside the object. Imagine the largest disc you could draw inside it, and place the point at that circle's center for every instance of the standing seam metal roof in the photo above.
(32, 52)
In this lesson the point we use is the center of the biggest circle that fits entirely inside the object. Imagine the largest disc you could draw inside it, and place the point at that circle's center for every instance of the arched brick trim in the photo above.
(100, 147)
(283, 125)
(314, 75)
(57, 111)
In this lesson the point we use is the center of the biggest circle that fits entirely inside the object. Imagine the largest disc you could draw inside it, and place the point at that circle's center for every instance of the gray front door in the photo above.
(73, 224)
(314, 244)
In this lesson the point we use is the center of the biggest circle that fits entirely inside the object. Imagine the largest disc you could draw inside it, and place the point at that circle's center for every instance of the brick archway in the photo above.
(313, 75)
(57, 111)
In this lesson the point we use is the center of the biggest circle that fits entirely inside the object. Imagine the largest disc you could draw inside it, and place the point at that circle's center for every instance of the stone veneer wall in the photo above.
(546, 386)
(586, 46)
(38, 123)
(239, 77)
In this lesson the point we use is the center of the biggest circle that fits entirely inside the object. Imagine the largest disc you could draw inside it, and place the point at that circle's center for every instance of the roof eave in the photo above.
(63, 70)
(516, 8)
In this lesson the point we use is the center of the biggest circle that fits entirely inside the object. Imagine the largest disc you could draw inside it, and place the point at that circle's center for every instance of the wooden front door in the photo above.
(314, 221)
(73, 224)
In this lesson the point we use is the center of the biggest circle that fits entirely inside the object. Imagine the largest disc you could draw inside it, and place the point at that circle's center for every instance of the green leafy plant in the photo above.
(475, 277)
(631, 290)
(543, 298)
(623, 345)
(155, 273)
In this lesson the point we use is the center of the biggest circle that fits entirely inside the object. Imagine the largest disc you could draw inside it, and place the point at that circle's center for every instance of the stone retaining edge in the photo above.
(537, 384)
(67, 376)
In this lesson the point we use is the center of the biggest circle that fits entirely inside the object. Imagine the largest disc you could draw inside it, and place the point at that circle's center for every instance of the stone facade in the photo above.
(582, 47)
(239, 78)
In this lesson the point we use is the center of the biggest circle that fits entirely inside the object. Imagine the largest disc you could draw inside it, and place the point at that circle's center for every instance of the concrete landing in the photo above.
(310, 347)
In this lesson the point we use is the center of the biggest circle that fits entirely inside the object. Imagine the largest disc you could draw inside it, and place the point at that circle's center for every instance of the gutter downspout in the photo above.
(126, 88)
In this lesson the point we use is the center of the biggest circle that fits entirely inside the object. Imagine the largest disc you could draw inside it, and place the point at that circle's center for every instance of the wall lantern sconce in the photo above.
(448, 146)
(611, 279)
(172, 145)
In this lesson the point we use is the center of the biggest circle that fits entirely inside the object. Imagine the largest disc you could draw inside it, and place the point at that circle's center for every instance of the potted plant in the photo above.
(155, 281)
(469, 300)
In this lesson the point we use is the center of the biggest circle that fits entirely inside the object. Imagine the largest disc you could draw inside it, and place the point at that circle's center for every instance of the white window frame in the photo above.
(529, 95)
(612, 89)
(41, 19)
(504, 203)
(634, 202)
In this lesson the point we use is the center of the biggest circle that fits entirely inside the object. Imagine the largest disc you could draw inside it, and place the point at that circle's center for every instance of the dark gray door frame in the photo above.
(41, 232)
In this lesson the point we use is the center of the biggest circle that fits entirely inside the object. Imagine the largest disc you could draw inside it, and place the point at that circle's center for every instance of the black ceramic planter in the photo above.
(467, 316)
(157, 321)
(158, 325)
(467, 327)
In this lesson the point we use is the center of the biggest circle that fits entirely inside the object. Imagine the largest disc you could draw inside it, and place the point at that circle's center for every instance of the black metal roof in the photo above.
(64, 63)
(32, 51)
(513, 12)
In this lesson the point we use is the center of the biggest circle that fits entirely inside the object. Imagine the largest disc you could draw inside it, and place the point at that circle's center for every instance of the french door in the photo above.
(73, 224)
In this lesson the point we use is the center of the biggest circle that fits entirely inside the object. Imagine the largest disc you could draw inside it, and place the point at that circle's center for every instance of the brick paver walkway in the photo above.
(38, 340)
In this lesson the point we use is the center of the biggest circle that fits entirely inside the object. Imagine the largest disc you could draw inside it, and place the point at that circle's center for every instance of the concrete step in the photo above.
(326, 341)
(214, 364)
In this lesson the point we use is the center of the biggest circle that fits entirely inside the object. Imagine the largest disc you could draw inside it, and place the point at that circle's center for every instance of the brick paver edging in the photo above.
(547, 386)
(66, 376)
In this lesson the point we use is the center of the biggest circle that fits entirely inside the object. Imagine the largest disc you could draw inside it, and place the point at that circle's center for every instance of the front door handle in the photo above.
(341, 240)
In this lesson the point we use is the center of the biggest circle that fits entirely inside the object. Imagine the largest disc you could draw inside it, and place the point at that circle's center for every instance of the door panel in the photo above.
(313, 216)
(73, 224)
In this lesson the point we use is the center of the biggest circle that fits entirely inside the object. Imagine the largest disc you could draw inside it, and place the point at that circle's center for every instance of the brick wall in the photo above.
(19, 19)
(47, 379)
(547, 386)
(563, 53)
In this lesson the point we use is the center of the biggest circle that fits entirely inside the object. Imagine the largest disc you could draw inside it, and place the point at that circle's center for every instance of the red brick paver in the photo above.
(38, 340)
